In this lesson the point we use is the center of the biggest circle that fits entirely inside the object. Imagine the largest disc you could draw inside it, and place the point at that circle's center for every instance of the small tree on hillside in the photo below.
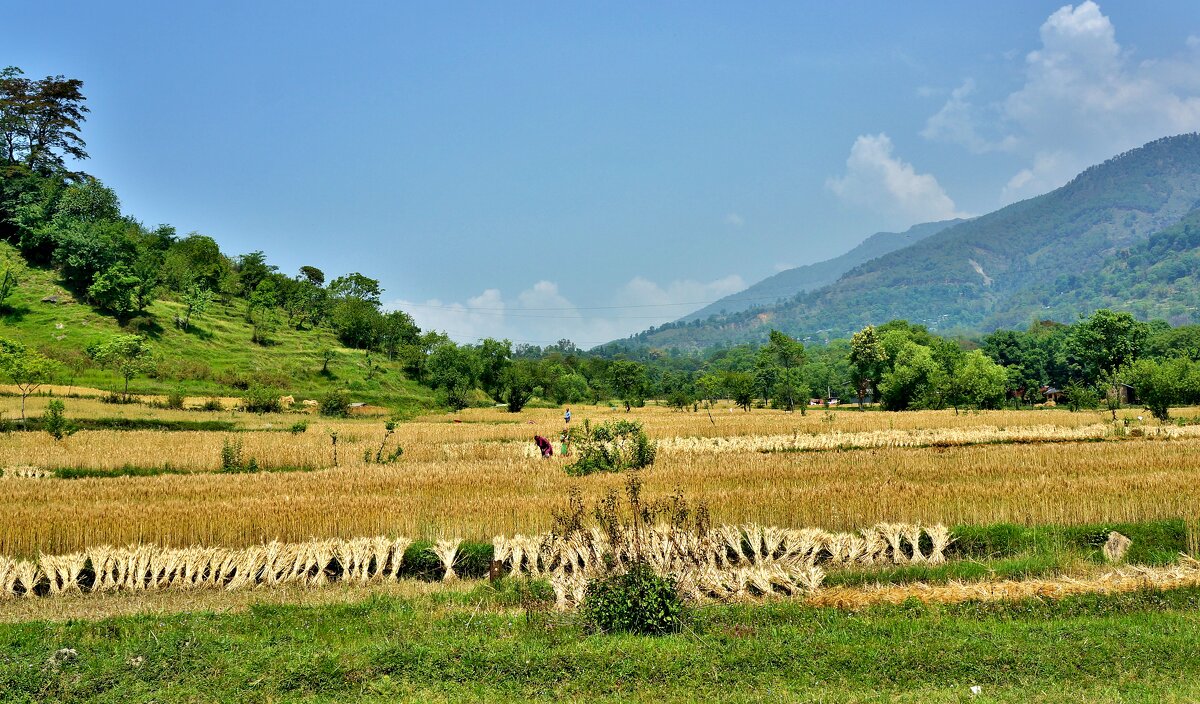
(26, 369)
(127, 355)
(11, 272)
(196, 301)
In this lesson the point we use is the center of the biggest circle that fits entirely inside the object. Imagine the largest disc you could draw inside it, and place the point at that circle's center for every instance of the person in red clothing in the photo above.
(544, 445)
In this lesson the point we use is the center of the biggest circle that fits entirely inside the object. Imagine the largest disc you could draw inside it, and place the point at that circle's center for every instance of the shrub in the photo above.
(212, 404)
(298, 427)
(261, 399)
(474, 560)
(612, 446)
(117, 399)
(175, 400)
(1080, 396)
(335, 404)
(55, 422)
(420, 562)
(638, 601)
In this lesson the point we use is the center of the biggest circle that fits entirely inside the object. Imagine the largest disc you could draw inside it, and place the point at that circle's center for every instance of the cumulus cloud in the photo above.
(1084, 99)
(542, 314)
(877, 179)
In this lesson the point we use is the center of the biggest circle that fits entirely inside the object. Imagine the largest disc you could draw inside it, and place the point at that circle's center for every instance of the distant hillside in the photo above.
(1022, 261)
(810, 277)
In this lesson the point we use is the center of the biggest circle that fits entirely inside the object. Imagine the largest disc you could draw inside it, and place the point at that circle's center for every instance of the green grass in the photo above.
(133, 471)
(35, 425)
(1154, 542)
(1130, 647)
(213, 358)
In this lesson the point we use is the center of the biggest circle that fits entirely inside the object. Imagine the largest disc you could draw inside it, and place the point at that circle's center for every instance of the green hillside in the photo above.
(1155, 279)
(979, 275)
(214, 357)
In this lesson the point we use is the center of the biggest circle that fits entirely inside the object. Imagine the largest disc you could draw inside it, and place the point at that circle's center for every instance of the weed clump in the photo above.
(638, 601)
(231, 458)
(383, 454)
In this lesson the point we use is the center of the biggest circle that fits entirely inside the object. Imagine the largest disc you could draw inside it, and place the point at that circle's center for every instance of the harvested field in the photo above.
(473, 479)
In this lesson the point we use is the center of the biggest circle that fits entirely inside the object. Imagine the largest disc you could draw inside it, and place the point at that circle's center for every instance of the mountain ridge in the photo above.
(980, 274)
(788, 283)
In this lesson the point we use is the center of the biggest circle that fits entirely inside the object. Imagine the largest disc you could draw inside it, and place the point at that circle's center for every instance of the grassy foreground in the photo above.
(1132, 647)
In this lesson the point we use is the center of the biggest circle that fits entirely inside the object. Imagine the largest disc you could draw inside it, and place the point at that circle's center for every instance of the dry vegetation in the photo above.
(1185, 573)
(474, 479)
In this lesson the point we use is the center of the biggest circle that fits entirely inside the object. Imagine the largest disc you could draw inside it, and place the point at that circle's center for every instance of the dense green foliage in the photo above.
(55, 422)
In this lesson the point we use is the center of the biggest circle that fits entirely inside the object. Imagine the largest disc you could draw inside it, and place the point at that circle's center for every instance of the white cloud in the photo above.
(734, 220)
(1084, 99)
(542, 314)
(958, 121)
(878, 180)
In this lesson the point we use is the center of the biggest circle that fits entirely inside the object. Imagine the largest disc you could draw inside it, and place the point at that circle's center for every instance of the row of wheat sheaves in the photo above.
(726, 562)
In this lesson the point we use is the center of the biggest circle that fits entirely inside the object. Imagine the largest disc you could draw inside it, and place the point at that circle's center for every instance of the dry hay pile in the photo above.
(727, 562)
(25, 472)
(1184, 573)
(147, 567)
(914, 438)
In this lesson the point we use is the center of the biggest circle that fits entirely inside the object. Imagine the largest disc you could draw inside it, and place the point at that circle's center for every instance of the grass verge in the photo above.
(1129, 647)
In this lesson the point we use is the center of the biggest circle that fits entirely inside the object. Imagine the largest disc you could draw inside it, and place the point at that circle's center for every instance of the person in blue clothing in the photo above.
(567, 417)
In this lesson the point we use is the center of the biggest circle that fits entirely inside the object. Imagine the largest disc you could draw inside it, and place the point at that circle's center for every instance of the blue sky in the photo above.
(547, 170)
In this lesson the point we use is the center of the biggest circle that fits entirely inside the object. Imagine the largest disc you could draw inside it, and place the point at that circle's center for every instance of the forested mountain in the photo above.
(810, 277)
(1027, 260)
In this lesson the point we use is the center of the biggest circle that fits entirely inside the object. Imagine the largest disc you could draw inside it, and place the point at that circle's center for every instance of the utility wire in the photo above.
(636, 305)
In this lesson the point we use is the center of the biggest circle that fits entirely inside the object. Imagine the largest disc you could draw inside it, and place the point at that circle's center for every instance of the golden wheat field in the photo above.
(474, 474)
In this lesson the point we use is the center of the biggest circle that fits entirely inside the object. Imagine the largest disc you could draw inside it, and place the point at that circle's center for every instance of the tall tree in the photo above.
(789, 354)
(866, 361)
(628, 380)
(40, 121)
(357, 287)
(1105, 343)
(494, 357)
(312, 275)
